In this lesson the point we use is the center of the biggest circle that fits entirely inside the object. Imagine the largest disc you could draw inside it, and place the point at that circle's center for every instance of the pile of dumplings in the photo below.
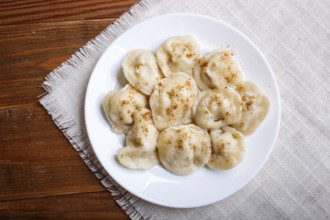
(184, 110)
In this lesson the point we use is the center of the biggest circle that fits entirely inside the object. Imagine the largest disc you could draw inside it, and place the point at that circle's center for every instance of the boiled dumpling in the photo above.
(216, 108)
(141, 70)
(184, 148)
(140, 151)
(228, 148)
(216, 69)
(178, 54)
(172, 100)
(120, 105)
(255, 107)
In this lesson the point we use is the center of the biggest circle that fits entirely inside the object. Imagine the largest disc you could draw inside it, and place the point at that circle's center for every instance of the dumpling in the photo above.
(140, 151)
(172, 100)
(216, 108)
(255, 107)
(178, 54)
(141, 70)
(184, 148)
(119, 106)
(228, 148)
(217, 68)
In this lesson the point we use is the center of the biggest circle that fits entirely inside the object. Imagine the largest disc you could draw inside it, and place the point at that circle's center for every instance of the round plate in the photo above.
(157, 185)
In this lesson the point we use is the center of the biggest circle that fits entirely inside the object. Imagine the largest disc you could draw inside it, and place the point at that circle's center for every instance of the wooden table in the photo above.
(41, 175)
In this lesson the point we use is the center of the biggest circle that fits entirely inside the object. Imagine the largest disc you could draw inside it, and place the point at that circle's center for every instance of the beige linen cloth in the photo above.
(295, 38)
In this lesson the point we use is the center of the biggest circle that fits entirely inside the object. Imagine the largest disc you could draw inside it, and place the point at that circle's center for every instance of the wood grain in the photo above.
(41, 175)
(38, 11)
(39, 48)
(77, 206)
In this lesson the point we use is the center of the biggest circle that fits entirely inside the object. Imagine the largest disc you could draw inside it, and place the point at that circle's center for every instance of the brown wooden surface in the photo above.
(41, 175)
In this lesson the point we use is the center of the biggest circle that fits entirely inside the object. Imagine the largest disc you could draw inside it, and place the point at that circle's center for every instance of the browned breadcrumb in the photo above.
(232, 78)
(138, 141)
(185, 136)
(171, 94)
(146, 116)
(247, 102)
(124, 102)
(168, 111)
(185, 108)
(187, 84)
(180, 87)
(249, 105)
(121, 116)
(243, 98)
(235, 135)
(180, 144)
(225, 55)
(240, 89)
(214, 99)
(145, 129)
(220, 148)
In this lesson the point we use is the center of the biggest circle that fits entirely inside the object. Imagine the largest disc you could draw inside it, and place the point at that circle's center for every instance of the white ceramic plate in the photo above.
(157, 185)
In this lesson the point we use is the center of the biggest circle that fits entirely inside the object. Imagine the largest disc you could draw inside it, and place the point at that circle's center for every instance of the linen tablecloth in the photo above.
(295, 38)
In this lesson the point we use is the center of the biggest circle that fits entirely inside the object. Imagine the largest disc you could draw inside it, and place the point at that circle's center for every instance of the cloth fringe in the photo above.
(70, 127)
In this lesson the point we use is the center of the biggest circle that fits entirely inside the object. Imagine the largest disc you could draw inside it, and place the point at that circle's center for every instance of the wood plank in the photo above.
(39, 48)
(35, 158)
(37, 11)
(23, 66)
(19, 93)
(98, 205)
(27, 134)
(21, 180)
